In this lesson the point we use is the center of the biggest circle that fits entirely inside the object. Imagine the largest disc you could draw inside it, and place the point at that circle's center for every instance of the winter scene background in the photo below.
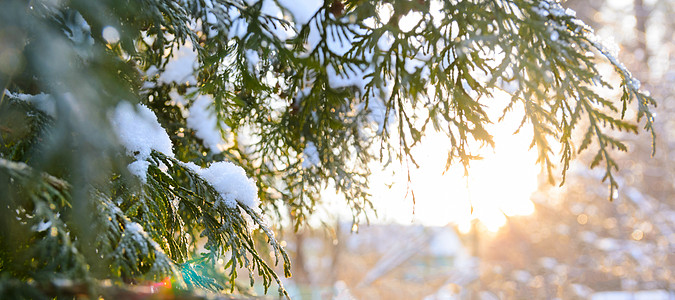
(308, 149)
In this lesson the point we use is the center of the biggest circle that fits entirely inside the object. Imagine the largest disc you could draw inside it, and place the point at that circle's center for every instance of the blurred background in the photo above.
(523, 238)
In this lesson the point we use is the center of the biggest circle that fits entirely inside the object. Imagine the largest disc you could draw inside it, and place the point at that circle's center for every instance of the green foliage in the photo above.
(351, 81)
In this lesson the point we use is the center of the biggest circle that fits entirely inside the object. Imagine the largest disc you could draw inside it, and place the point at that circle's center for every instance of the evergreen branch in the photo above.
(223, 227)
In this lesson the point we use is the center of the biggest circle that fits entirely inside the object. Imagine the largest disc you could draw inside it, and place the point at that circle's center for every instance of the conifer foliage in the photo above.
(141, 140)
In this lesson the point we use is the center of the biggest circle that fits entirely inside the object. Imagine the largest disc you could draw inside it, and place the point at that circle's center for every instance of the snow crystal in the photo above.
(310, 156)
(139, 131)
(302, 10)
(205, 124)
(181, 67)
(231, 182)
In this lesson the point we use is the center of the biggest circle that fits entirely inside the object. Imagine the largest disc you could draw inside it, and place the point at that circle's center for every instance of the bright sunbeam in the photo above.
(498, 186)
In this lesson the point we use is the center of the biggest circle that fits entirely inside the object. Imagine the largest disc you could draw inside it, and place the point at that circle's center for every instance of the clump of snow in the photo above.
(205, 124)
(177, 99)
(310, 156)
(181, 67)
(79, 30)
(238, 27)
(231, 182)
(139, 168)
(139, 131)
(43, 102)
(42, 226)
(551, 8)
(134, 228)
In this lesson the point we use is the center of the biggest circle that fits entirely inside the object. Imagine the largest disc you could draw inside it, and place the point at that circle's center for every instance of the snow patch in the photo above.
(79, 30)
(205, 124)
(231, 182)
(181, 67)
(42, 226)
(140, 169)
(139, 132)
(43, 102)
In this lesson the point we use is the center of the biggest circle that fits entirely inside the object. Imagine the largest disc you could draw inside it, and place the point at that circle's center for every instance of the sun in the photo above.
(497, 187)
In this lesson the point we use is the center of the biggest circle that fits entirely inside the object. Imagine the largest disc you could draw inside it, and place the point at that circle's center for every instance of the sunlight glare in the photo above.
(497, 187)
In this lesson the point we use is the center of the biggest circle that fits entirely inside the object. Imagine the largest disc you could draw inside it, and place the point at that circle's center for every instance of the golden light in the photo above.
(499, 186)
